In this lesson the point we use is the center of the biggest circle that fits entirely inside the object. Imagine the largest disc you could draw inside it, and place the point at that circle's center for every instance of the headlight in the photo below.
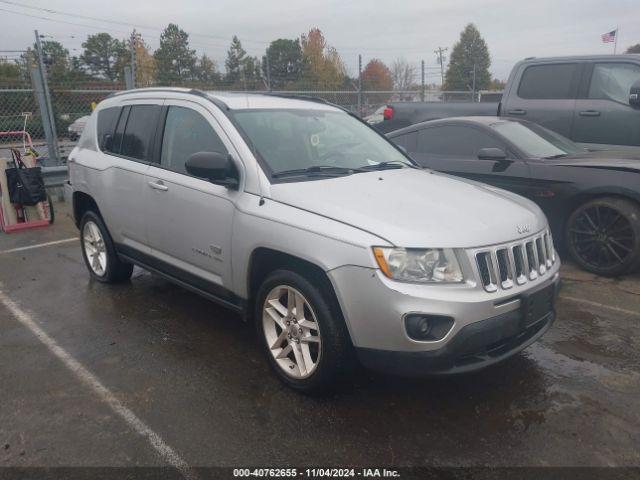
(419, 265)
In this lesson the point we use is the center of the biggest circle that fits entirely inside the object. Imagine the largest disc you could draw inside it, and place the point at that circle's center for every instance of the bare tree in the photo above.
(403, 74)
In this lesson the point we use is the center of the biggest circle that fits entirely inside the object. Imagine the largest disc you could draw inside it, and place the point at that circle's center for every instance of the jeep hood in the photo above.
(416, 208)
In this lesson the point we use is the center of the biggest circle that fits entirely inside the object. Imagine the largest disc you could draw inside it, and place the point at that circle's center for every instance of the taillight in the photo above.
(387, 114)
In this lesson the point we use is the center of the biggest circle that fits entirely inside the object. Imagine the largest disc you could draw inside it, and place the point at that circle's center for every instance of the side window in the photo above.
(613, 81)
(187, 132)
(408, 140)
(553, 81)
(107, 120)
(138, 133)
(455, 141)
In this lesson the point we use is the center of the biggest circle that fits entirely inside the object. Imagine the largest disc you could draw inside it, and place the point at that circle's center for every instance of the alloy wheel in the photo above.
(94, 248)
(292, 332)
(602, 237)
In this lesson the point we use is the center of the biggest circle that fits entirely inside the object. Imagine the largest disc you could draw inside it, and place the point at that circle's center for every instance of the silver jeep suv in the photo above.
(307, 221)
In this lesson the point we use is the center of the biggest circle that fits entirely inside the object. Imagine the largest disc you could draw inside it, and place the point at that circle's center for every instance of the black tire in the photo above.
(335, 364)
(603, 236)
(116, 270)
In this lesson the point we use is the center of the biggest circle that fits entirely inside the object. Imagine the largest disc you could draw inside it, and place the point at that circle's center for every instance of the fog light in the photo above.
(427, 327)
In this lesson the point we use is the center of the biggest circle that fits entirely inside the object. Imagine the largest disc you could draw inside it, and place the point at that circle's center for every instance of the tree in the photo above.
(234, 62)
(207, 70)
(376, 76)
(251, 73)
(634, 48)
(175, 61)
(105, 56)
(403, 74)
(146, 67)
(286, 64)
(469, 52)
(323, 66)
(56, 60)
(10, 73)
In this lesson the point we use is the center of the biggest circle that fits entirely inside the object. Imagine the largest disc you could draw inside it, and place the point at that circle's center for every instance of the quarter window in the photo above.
(553, 81)
(107, 120)
(455, 141)
(187, 132)
(613, 81)
(138, 133)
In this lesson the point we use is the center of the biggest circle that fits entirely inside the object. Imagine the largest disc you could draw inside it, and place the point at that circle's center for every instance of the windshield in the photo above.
(303, 139)
(536, 141)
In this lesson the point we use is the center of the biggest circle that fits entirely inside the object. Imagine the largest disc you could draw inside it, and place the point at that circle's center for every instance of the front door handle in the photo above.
(158, 186)
(517, 111)
(589, 113)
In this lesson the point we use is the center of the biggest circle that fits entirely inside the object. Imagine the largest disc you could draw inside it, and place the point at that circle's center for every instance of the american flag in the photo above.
(609, 37)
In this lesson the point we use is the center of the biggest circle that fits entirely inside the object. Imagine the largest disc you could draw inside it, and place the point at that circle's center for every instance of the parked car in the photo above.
(299, 215)
(591, 100)
(592, 199)
(76, 128)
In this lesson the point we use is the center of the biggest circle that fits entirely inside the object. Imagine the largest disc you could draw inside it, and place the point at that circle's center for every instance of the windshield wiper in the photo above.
(389, 165)
(316, 170)
(553, 157)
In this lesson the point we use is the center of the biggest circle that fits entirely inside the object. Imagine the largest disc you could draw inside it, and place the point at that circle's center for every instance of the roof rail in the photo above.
(308, 98)
(193, 91)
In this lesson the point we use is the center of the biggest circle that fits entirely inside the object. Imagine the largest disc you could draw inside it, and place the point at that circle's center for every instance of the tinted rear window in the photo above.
(139, 131)
(455, 140)
(107, 120)
(549, 82)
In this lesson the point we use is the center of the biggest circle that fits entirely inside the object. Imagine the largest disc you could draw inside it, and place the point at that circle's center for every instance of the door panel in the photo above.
(545, 95)
(605, 116)
(189, 219)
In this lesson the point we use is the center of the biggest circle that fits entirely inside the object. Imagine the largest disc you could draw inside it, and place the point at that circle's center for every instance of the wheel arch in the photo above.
(82, 202)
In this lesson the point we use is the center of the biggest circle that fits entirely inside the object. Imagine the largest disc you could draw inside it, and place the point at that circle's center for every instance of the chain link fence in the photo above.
(21, 106)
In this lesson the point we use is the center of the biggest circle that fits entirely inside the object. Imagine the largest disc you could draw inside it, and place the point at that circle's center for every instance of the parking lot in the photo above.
(148, 374)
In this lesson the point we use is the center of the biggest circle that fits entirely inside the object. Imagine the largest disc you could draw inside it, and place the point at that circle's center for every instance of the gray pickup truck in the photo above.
(593, 100)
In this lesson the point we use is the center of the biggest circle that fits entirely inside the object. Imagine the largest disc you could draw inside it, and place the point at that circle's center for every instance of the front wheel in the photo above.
(303, 332)
(603, 236)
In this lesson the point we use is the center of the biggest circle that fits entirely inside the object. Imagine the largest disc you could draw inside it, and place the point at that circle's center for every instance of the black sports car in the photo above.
(592, 199)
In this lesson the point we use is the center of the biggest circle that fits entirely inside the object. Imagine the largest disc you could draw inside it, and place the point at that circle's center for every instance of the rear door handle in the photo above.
(589, 113)
(517, 111)
(158, 186)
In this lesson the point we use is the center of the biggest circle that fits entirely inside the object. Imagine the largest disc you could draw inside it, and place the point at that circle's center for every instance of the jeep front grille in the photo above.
(515, 263)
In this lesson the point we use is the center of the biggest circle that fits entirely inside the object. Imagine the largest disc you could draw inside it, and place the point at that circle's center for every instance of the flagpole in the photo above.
(615, 45)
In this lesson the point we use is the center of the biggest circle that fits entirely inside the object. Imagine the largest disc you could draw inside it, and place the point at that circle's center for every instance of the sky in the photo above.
(412, 29)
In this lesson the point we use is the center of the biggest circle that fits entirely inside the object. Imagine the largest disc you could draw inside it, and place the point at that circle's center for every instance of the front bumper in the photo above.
(488, 327)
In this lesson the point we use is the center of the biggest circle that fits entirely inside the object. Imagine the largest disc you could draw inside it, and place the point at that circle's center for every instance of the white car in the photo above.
(311, 224)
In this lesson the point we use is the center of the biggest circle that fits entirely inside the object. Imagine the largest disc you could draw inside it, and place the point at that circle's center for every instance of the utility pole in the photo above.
(360, 85)
(266, 56)
(440, 54)
(133, 57)
(422, 82)
(473, 88)
(45, 88)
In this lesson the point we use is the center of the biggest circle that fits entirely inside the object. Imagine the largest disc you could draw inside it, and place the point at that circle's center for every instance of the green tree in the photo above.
(234, 62)
(207, 70)
(175, 61)
(56, 60)
(10, 73)
(105, 56)
(469, 52)
(251, 73)
(286, 64)
(634, 48)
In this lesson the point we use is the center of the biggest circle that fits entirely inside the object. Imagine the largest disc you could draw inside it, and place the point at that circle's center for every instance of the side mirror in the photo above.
(216, 167)
(495, 154)
(634, 95)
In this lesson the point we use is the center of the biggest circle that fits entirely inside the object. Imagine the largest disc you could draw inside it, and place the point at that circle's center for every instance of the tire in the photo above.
(333, 353)
(603, 236)
(99, 253)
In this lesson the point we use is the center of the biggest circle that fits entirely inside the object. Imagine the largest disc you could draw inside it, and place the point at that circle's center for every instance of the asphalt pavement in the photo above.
(148, 374)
